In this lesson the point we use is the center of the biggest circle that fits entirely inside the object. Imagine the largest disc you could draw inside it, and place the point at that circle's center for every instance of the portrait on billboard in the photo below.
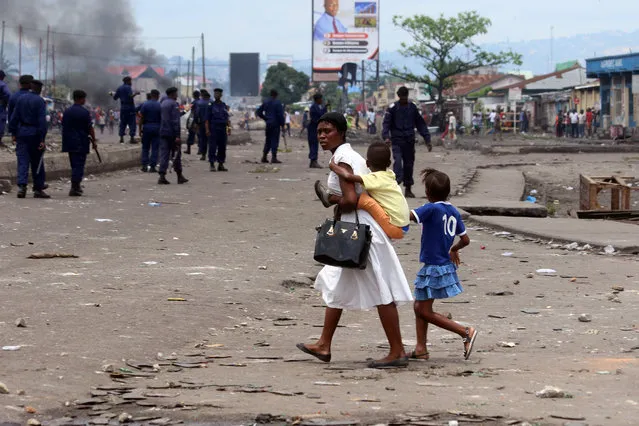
(329, 22)
(344, 32)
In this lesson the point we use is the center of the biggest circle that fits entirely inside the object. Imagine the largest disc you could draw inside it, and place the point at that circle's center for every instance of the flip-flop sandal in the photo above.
(397, 363)
(425, 356)
(471, 341)
(322, 193)
(322, 357)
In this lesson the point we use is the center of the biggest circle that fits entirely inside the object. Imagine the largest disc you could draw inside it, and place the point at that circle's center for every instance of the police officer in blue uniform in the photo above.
(5, 95)
(77, 136)
(28, 125)
(400, 121)
(191, 126)
(150, 118)
(25, 88)
(218, 127)
(272, 112)
(316, 112)
(170, 139)
(126, 95)
(202, 109)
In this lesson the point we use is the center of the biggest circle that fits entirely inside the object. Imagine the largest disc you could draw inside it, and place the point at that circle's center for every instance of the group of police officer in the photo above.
(210, 121)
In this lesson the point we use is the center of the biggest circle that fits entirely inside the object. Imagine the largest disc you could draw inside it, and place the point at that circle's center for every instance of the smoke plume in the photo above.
(88, 35)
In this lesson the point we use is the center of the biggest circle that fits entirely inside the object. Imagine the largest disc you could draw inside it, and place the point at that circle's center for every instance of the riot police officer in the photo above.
(150, 117)
(170, 137)
(77, 135)
(218, 127)
(126, 95)
(5, 95)
(400, 121)
(202, 112)
(191, 124)
(272, 112)
(316, 112)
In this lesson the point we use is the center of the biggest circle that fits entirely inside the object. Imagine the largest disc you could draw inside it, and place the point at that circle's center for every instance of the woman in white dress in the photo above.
(382, 284)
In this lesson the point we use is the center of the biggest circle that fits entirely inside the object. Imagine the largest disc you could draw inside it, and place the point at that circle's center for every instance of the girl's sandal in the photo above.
(469, 341)
(424, 356)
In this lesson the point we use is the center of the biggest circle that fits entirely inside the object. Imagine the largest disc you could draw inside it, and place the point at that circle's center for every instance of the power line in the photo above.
(109, 36)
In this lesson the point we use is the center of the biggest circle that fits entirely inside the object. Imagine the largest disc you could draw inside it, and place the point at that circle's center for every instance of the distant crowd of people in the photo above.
(576, 124)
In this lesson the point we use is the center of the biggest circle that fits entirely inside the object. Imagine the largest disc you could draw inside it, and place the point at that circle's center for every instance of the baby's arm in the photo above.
(344, 174)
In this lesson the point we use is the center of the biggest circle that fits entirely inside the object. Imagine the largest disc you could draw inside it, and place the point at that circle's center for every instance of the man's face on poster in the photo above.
(331, 7)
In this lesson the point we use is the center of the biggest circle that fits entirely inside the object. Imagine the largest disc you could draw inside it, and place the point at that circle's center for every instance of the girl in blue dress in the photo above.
(441, 223)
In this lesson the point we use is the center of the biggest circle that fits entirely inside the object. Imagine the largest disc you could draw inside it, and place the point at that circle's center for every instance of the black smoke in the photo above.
(88, 35)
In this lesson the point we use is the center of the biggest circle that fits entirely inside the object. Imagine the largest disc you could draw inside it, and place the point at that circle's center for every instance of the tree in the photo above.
(289, 83)
(331, 92)
(446, 48)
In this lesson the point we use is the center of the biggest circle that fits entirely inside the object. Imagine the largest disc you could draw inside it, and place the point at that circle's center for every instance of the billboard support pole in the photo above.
(363, 85)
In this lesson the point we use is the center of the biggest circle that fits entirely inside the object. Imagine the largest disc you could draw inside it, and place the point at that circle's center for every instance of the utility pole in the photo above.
(188, 80)
(363, 85)
(193, 67)
(2, 44)
(40, 61)
(46, 57)
(179, 80)
(203, 67)
(53, 65)
(552, 48)
(19, 49)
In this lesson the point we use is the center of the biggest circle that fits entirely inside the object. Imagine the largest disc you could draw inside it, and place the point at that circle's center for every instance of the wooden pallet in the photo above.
(591, 186)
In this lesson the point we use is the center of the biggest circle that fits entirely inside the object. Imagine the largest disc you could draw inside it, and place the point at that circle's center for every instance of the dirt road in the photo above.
(216, 276)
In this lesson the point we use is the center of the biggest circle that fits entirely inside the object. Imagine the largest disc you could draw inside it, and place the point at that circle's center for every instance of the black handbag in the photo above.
(343, 244)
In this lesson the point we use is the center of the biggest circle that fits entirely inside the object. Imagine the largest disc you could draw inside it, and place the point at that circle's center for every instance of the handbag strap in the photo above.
(338, 212)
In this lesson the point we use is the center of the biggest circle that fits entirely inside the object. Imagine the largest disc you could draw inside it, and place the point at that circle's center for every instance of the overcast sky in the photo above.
(283, 26)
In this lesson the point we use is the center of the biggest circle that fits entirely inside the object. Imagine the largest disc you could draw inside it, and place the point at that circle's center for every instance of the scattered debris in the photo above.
(507, 344)
(327, 384)
(585, 318)
(104, 220)
(609, 249)
(552, 392)
(546, 272)
(21, 322)
(125, 418)
(52, 256)
(33, 422)
(176, 299)
(500, 293)
(617, 288)
(11, 348)
(530, 311)
(3, 388)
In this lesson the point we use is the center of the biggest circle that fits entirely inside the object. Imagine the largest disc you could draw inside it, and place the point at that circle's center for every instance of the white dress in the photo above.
(383, 281)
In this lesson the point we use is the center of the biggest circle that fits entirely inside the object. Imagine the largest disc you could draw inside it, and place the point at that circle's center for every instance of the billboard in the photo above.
(345, 33)
(245, 74)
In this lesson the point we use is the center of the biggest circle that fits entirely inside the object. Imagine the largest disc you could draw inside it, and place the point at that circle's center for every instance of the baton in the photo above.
(41, 164)
(98, 154)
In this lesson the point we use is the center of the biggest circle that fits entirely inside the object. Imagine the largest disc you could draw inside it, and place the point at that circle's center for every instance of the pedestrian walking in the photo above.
(126, 96)
(317, 110)
(77, 136)
(437, 279)
(490, 128)
(574, 124)
(497, 122)
(218, 127)
(582, 124)
(305, 121)
(371, 119)
(382, 284)
(272, 112)
(287, 122)
(589, 121)
(191, 124)
(101, 119)
(170, 140)
(5, 95)
(28, 125)
(150, 121)
(400, 121)
(452, 126)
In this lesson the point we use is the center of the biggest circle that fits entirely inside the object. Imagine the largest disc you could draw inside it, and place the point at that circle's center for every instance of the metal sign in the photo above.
(514, 94)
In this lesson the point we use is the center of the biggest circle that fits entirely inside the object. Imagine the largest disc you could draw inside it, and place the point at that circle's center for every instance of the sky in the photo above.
(283, 27)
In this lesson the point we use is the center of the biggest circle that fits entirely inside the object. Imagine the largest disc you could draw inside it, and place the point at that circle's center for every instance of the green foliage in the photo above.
(289, 83)
(330, 90)
(480, 93)
(446, 48)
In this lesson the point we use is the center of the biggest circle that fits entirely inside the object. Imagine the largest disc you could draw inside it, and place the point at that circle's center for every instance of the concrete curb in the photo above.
(621, 245)
(57, 165)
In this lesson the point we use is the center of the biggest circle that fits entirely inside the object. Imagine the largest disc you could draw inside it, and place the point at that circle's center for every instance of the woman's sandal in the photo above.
(470, 340)
(424, 356)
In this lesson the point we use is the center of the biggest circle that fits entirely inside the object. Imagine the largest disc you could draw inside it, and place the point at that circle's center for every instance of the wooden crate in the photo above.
(591, 186)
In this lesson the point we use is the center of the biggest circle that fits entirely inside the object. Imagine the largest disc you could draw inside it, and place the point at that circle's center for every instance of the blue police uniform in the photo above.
(272, 112)
(169, 132)
(316, 112)
(5, 95)
(400, 122)
(151, 112)
(203, 111)
(127, 109)
(76, 127)
(28, 123)
(13, 100)
(218, 117)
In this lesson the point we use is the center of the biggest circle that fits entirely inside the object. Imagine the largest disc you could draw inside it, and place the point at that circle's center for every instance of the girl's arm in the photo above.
(464, 241)
(344, 173)
(348, 201)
